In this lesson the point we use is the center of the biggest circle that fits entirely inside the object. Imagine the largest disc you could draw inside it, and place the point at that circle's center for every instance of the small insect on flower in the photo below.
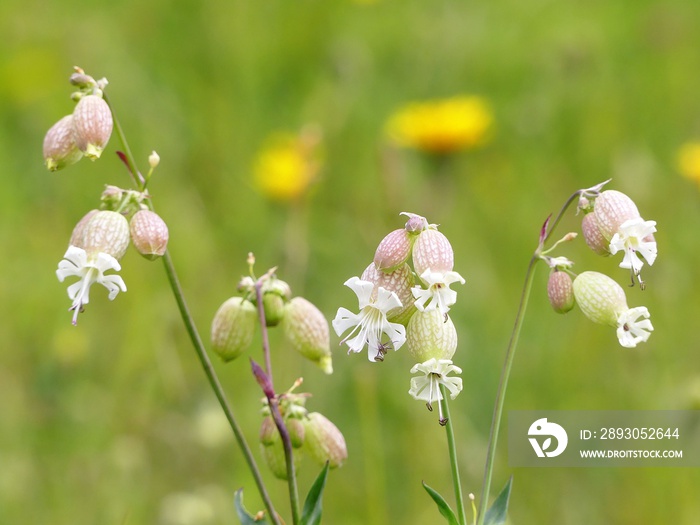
(382, 349)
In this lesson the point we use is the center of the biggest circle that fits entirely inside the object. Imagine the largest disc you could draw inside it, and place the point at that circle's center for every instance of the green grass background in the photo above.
(111, 422)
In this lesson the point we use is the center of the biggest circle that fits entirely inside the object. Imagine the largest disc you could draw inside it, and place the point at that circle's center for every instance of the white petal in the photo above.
(396, 333)
(386, 300)
(344, 320)
(630, 331)
(363, 290)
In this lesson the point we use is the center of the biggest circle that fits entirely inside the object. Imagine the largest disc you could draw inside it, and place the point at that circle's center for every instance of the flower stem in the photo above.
(195, 338)
(501, 393)
(548, 229)
(274, 404)
(216, 385)
(453, 457)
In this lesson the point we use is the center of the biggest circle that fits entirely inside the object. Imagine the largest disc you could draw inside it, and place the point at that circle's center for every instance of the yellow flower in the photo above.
(689, 160)
(287, 165)
(442, 126)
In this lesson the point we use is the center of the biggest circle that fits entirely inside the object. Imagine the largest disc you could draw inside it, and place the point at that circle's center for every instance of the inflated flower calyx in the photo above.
(272, 447)
(306, 328)
(92, 125)
(233, 327)
(323, 441)
(560, 290)
(611, 209)
(400, 281)
(60, 149)
(149, 233)
(432, 251)
(276, 293)
(600, 298)
(394, 250)
(594, 238)
(102, 231)
(430, 334)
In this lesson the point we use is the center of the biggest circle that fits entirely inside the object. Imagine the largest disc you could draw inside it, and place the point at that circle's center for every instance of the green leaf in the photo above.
(496, 515)
(244, 515)
(443, 507)
(311, 515)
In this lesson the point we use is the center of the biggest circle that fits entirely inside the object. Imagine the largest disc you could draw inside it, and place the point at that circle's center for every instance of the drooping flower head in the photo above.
(437, 294)
(432, 374)
(89, 270)
(370, 324)
(603, 301)
(98, 241)
(615, 225)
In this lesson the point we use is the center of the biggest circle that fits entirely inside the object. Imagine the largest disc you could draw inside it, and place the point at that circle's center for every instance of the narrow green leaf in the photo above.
(244, 515)
(443, 507)
(311, 515)
(496, 515)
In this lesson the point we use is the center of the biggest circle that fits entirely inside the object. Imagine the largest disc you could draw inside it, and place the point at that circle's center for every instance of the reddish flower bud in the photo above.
(400, 281)
(432, 251)
(149, 234)
(611, 209)
(92, 124)
(60, 149)
(394, 250)
(560, 290)
(102, 231)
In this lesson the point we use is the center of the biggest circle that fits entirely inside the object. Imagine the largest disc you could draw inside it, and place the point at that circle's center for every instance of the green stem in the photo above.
(453, 457)
(197, 340)
(510, 355)
(215, 384)
(274, 405)
(501, 393)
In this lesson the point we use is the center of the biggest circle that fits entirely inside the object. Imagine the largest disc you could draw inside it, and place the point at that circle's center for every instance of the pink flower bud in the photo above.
(432, 251)
(323, 441)
(400, 281)
(611, 209)
(233, 327)
(593, 236)
(102, 231)
(430, 334)
(60, 149)
(560, 290)
(92, 125)
(307, 330)
(149, 234)
(394, 250)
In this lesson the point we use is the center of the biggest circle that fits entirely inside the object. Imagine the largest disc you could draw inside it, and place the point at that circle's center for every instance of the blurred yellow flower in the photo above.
(442, 126)
(288, 164)
(689, 160)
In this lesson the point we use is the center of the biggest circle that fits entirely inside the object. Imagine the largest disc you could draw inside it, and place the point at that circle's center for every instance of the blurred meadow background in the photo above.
(113, 422)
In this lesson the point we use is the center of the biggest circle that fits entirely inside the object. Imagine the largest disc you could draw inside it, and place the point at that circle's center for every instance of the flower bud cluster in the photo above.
(611, 223)
(86, 131)
(100, 240)
(304, 326)
(311, 434)
(404, 298)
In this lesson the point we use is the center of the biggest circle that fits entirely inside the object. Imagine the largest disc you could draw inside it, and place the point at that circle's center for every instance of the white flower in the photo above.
(90, 270)
(369, 325)
(630, 239)
(630, 331)
(438, 294)
(435, 372)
